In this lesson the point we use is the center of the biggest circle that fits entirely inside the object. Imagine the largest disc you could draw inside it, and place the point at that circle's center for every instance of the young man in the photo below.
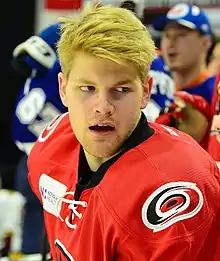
(186, 39)
(113, 187)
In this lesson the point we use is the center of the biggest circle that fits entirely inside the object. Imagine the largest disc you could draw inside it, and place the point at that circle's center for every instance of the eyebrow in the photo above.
(84, 81)
(123, 82)
(119, 83)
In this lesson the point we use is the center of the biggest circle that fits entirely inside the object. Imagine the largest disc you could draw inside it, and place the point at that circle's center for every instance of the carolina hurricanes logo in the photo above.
(171, 203)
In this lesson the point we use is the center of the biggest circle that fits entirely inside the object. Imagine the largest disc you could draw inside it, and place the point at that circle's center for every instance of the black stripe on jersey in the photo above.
(88, 179)
(64, 255)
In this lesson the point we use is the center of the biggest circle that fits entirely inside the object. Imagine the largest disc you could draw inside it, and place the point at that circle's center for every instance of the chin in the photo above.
(175, 67)
(101, 153)
(102, 150)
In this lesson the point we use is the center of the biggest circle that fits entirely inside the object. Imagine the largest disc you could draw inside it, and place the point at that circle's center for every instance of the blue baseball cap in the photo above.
(190, 16)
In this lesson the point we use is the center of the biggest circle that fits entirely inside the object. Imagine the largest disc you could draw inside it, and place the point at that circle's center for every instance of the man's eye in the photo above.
(87, 88)
(122, 89)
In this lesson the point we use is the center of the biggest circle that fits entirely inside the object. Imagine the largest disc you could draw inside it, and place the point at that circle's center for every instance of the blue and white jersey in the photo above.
(37, 104)
(162, 91)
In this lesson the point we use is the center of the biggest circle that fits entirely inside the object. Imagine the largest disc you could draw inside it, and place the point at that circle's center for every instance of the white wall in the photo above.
(45, 17)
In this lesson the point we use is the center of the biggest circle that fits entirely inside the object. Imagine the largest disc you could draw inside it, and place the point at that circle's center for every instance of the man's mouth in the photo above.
(102, 128)
(172, 55)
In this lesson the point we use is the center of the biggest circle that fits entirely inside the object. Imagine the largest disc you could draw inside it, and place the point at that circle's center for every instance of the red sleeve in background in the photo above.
(214, 140)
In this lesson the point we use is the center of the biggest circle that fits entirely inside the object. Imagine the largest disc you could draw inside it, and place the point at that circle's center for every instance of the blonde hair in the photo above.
(107, 32)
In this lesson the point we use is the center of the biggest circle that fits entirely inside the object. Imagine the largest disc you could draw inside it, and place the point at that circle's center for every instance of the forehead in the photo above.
(96, 69)
(178, 27)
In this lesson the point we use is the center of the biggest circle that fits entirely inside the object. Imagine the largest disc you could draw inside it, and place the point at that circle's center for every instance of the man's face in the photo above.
(104, 100)
(181, 47)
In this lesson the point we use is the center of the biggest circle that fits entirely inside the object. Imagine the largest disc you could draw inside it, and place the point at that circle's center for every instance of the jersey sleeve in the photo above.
(168, 208)
(33, 171)
(37, 104)
(39, 159)
(162, 92)
(179, 221)
(168, 248)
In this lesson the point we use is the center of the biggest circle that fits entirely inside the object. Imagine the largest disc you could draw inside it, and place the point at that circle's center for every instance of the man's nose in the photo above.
(104, 105)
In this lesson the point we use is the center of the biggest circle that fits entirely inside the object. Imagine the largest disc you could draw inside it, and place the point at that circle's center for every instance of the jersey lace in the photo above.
(73, 205)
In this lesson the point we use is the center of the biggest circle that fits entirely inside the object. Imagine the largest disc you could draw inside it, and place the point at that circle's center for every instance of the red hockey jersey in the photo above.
(214, 140)
(158, 201)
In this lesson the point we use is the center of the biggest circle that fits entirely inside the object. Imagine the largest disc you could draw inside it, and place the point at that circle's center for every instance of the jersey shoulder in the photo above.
(203, 88)
(55, 143)
(178, 154)
(159, 64)
(28, 120)
(163, 186)
(163, 89)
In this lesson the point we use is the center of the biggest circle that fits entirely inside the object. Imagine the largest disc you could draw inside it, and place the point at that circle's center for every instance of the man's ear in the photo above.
(62, 88)
(147, 91)
(207, 42)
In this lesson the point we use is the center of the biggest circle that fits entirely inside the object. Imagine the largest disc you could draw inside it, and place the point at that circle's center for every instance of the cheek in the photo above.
(77, 119)
(186, 54)
(76, 108)
(194, 50)
(78, 112)
(163, 46)
(182, 48)
(131, 106)
(75, 102)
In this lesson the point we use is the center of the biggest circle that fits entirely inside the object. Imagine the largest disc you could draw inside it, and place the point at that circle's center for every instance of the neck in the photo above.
(95, 162)
(185, 76)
